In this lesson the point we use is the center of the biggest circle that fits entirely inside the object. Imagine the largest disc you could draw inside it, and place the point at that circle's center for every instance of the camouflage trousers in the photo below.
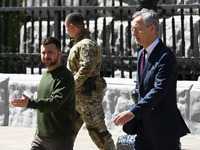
(90, 111)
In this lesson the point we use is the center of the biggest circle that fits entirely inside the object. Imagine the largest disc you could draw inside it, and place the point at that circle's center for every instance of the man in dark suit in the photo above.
(155, 119)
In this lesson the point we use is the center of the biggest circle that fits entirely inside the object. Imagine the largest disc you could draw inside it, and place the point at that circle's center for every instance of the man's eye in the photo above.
(135, 28)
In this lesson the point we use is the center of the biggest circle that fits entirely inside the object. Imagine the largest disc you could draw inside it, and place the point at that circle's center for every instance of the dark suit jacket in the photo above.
(156, 109)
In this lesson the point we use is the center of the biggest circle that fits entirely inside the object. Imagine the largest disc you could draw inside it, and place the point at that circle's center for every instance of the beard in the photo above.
(52, 63)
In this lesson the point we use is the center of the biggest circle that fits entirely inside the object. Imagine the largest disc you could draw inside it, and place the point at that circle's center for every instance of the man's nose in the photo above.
(134, 32)
(46, 55)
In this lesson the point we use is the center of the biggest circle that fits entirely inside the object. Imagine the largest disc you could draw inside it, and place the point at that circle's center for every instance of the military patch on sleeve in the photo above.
(85, 53)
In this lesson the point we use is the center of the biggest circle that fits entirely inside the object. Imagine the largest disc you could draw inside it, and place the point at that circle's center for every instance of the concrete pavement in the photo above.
(19, 138)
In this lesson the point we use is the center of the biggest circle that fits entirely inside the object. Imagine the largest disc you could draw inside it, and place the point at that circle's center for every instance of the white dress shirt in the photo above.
(150, 48)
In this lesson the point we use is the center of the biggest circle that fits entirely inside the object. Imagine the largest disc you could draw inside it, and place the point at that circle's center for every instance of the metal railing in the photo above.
(22, 29)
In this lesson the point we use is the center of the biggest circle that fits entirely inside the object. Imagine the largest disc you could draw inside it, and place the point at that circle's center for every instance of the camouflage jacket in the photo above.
(84, 60)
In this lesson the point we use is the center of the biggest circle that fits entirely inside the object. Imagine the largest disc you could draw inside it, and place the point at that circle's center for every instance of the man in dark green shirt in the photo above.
(55, 102)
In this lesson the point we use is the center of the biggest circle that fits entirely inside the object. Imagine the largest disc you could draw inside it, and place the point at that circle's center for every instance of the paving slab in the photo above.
(19, 138)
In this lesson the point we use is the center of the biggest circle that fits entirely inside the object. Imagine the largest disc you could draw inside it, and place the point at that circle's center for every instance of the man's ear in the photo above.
(60, 53)
(71, 25)
(152, 27)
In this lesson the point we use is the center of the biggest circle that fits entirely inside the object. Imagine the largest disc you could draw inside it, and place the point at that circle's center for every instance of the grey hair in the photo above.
(149, 17)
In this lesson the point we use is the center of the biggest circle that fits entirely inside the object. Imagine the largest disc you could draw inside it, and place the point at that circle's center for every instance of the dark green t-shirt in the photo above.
(55, 103)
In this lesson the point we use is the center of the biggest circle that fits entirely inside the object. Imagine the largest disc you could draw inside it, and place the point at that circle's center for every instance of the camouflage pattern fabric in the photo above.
(89, 110)
(84, 62)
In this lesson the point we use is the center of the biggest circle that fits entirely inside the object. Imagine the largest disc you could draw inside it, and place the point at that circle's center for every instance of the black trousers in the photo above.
(143, 143)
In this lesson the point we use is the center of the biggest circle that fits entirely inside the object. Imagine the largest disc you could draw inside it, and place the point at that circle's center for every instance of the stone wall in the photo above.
(118, 96)
(108, 48)
(108, 3)
(117, 39)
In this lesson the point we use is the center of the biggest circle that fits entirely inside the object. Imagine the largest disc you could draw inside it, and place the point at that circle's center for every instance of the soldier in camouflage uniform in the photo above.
(84, 61)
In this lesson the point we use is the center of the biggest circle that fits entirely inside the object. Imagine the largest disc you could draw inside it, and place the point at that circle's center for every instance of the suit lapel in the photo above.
(138, 66)
(150, 61)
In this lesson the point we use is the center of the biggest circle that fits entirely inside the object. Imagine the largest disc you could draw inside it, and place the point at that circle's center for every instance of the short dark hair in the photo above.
(52, 40)
(75, 18)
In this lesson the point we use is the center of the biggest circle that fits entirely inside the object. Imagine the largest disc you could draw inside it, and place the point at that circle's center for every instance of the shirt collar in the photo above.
(150, 48)
(81, 35)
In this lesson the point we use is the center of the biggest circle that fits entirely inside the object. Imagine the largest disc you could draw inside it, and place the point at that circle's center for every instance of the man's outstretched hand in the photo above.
(20, 102)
